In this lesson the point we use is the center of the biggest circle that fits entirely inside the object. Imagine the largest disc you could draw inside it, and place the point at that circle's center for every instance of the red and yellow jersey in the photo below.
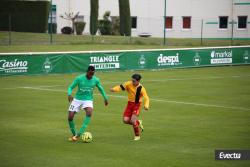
(135, 94)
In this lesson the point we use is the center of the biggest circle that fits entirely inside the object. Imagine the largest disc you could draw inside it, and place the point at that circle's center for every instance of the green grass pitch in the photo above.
(193, 112)
(40, 42)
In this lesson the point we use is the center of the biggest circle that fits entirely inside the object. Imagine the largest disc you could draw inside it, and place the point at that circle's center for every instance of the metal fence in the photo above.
(145, 31)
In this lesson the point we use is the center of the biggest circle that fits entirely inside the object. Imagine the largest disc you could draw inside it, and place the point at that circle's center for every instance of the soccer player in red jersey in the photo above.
(135, 93)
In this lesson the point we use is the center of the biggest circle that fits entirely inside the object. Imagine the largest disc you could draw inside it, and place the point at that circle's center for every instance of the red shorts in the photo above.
(132, 108)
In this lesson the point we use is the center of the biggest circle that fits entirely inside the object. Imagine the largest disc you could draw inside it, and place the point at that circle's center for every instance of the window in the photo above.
(169, 22)
(186, 22)
(134, 22)
(80, 18)
(223, 22)
(242, 22)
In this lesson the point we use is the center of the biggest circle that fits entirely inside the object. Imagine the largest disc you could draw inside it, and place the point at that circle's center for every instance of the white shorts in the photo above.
(77, 105)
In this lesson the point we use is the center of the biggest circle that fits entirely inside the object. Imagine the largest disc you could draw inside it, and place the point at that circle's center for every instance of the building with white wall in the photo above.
(185, 18)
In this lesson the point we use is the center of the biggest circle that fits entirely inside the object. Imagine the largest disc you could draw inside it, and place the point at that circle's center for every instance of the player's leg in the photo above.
(134, 118)
(127, 114)
(71, 122)
(88, 107)
(135, 122)
(86, 120)
(126, 120)
(73, 109)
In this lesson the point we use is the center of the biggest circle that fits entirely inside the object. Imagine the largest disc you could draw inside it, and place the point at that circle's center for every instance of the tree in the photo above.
(71, 17)
(125, 17)
(94, 6)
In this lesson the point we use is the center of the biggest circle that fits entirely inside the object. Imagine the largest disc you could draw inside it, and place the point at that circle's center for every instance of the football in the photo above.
(87, 137)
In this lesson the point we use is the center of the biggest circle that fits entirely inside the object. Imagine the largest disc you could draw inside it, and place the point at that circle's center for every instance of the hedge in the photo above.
(26, 16)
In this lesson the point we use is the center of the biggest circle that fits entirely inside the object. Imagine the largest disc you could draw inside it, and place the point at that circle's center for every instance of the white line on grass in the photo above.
(145, 81)
(41, 86)
(181, 79)
(153, 99)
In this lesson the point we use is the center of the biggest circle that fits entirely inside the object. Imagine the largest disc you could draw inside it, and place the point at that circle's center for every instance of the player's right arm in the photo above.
(70, 89)
(119, 88)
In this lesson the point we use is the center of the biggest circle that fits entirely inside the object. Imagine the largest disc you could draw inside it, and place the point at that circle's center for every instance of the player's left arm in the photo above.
(146, 98)
(102, 91)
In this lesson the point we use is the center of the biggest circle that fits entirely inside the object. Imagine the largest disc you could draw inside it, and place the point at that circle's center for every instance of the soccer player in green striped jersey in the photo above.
(83, 100)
